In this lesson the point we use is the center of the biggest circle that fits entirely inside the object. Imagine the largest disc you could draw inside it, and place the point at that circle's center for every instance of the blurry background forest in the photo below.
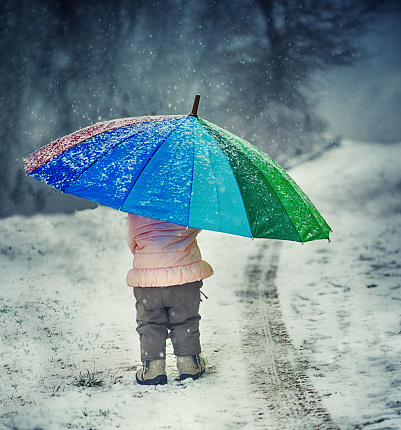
(289, 76)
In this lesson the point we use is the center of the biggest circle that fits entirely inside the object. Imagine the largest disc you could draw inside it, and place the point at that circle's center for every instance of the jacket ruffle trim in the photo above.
(169, 276)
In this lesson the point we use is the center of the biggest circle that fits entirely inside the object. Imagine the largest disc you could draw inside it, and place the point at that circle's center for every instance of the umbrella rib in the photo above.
(277, 195)
(308, 203)
(192, 182)
(148, 161)
(215, 181)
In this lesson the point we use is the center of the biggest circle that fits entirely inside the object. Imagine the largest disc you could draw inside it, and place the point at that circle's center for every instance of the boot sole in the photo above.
(188, 375)
(159, 380)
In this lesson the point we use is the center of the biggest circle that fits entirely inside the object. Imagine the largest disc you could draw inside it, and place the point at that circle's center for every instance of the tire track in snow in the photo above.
(276, 368)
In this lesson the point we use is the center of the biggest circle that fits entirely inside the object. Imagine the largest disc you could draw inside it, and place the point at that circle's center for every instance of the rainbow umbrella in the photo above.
(181, 169)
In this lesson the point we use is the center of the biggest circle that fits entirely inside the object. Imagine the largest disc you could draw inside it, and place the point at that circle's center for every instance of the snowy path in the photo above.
(279, 371)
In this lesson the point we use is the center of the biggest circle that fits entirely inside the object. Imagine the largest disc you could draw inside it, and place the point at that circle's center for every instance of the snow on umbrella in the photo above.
(181, 169)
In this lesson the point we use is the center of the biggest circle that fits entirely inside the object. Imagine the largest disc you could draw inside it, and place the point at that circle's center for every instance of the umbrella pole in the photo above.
(195, 106)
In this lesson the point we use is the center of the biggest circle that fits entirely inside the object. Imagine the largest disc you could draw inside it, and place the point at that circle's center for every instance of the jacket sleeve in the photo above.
(130, 237)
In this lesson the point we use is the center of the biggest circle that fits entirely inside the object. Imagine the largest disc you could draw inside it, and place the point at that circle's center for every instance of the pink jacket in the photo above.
(164, 254)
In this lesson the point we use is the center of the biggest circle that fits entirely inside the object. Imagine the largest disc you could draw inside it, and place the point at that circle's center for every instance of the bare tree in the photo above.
(59, 73)
(302, 38)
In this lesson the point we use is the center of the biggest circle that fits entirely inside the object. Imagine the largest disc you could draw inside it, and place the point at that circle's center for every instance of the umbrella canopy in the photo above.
(181, 169)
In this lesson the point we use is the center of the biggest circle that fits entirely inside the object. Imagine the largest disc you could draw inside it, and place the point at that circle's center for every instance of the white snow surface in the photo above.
(65, 310)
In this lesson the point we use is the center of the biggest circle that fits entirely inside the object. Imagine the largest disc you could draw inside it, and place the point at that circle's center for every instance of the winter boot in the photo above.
(153, 372)
(190, 366)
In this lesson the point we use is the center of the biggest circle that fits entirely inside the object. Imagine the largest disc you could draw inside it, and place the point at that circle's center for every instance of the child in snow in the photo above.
(167, 276)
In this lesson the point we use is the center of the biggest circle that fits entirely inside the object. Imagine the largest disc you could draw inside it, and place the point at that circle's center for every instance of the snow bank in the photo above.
(341, 301)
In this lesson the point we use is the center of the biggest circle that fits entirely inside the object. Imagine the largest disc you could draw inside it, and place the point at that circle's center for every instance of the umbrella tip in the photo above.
(195, 106)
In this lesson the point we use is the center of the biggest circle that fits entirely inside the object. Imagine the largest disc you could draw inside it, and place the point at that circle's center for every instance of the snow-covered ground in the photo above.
(65, 310)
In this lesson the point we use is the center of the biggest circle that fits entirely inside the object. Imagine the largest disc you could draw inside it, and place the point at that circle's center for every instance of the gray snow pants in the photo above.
(174, 308)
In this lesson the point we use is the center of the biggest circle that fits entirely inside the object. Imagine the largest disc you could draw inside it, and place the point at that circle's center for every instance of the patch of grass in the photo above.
(88, 380)
(105, 413)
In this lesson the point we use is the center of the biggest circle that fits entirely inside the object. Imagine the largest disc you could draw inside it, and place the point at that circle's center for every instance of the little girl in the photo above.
(167, 276)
